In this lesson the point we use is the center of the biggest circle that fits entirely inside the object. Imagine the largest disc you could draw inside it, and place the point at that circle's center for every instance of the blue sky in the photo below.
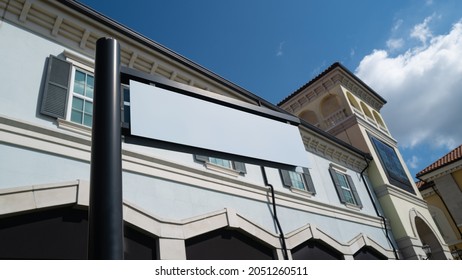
(409, 51)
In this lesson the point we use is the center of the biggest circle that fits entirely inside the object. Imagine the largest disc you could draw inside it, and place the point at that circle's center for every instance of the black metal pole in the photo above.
(105, 212)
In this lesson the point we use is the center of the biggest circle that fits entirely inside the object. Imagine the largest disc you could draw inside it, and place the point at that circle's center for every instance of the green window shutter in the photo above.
(286, 181)
(333, 174)
(201, 158)
(240, 167)
(308, 181)
(55, 94)
(354, 191)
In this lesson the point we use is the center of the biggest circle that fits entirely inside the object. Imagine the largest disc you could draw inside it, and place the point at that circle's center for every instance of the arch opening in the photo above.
(315, 250)
(428, 238)
(226, 244)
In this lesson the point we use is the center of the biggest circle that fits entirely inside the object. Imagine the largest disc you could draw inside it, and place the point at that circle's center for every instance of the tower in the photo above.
(339, 103)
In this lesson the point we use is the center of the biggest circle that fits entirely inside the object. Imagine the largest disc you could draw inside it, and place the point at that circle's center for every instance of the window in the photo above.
(81, 110)
(222, 162)
(300, 181)
(345, 187)
(392, 165)
(211, 162)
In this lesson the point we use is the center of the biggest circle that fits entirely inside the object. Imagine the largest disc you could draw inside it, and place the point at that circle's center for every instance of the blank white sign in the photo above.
(165, 115)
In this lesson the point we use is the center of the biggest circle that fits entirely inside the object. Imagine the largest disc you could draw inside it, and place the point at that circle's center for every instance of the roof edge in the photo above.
(449, 158)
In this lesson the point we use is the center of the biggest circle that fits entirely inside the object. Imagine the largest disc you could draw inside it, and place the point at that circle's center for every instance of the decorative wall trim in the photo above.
(331, 151)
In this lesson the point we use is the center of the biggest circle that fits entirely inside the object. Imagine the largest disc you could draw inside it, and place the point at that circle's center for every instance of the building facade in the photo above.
(441, 186)
(177, 205)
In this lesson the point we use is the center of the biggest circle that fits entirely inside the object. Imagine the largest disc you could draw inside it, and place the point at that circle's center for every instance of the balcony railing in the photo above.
(335, 118)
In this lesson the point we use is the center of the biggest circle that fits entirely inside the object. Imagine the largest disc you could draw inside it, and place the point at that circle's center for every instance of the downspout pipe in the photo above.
(376, 209)
(275, 216)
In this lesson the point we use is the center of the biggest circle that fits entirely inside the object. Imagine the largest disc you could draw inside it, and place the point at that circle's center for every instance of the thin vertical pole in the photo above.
(105, 211)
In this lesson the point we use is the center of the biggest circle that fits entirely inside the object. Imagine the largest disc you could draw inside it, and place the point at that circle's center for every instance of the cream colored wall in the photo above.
(435, 201)
(458, 178)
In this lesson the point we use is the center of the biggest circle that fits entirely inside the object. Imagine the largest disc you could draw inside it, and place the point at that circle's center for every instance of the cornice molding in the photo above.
(327, 149)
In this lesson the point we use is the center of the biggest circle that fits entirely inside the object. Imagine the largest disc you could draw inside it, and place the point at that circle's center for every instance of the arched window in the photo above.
(367, 112)
(353, 101)
(378, 119)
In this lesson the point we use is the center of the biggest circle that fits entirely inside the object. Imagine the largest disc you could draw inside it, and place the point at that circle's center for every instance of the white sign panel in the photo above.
(164, 115)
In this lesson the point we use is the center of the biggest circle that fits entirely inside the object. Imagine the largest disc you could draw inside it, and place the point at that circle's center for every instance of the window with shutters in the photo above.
(68, 93)
(222, 165)
(345, 187)
(298, 181)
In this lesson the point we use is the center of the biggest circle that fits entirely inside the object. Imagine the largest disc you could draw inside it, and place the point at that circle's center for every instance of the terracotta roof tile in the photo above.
(450, 157)
(419, 184)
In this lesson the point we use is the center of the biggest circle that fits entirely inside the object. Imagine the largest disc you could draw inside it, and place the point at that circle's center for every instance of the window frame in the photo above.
(238, 168)
(305, 178)
(72, 93)
(392, 164)
(125, 106)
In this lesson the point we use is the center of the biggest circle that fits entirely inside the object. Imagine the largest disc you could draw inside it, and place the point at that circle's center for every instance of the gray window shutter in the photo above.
(55, 94)
(240, 167)
(354, 191)
(308, 181)
(285, 178)
(201, 158)
(333, 174)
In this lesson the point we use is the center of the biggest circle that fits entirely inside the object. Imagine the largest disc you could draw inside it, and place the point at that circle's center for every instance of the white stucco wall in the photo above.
(23, 57)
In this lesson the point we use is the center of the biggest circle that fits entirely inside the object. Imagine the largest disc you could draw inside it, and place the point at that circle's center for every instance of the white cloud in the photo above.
(413, 162)
(397, 25)
(352, 52)
(280, 51)
(395, 44)
(422, 31)
(423, 87)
